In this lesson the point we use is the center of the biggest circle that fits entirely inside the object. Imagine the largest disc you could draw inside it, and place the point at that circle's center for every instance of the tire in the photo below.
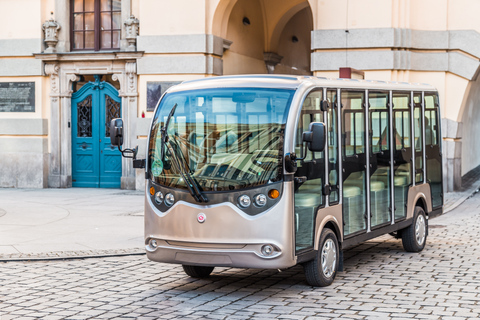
(321, 271)
(414, 237)
(197, 271)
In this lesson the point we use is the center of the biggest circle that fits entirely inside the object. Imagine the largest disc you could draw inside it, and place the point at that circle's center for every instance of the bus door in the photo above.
(309, 177)
(354, 161)
(418, 136)
(402, 154)
(332, 138)
(380, 170)
(433, 148)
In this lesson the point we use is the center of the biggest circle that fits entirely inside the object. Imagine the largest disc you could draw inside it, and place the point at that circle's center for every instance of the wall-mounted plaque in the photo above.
(155, 89)
(17, 96)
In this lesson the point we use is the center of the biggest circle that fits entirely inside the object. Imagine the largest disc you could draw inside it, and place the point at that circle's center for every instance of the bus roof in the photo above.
(293, 82)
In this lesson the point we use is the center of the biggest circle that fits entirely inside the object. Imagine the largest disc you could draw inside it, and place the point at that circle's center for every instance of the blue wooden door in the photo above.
(95, 162)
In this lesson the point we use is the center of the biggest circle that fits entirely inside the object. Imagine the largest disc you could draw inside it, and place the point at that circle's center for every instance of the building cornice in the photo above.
(89, 56)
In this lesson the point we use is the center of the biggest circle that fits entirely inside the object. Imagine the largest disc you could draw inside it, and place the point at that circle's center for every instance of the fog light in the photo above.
(244, 201)
(169, 199)
(267, 250)
(260, 200)
(153, 243)
(159, 197)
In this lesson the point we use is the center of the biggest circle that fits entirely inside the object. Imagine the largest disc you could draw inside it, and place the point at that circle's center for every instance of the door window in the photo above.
(309, 178)
(380, 171)
(354, 161)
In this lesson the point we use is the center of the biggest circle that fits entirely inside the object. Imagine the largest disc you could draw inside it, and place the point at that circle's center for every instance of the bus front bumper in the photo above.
(265, 256)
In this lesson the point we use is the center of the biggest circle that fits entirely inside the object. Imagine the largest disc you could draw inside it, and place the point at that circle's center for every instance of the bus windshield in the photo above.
(219, 139)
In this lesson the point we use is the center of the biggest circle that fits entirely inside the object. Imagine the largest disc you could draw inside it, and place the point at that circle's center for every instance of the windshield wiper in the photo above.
(180, 163)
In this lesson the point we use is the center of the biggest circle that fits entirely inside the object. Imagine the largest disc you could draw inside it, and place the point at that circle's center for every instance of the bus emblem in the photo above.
(201, 217)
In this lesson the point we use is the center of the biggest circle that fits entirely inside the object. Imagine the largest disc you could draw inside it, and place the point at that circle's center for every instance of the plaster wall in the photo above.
(463, 15)
(161, 17)
(18, 23)
(429, 14)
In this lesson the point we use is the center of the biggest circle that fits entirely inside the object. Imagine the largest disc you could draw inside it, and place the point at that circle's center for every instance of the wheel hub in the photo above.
(329, 258)
(420, 230)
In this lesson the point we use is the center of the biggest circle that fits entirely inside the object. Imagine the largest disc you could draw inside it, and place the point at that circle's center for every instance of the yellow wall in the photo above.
(161, 17)
(20, 19)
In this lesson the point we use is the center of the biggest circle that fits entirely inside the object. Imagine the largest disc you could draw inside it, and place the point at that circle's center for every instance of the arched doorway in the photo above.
(467, 134)
(267, 36)
(95, 162)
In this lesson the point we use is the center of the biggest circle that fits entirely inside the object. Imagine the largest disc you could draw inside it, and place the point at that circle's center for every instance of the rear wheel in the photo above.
(321, 271)
(197, 271)
(414, 237)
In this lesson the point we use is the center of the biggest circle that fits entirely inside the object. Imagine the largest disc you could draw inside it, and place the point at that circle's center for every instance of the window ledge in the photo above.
(89, 55)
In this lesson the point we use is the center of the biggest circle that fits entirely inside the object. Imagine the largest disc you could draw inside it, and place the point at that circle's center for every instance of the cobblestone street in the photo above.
(380, 281)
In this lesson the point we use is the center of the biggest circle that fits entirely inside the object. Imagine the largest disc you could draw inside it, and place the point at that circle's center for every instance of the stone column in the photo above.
(51, 69)
(129, 94)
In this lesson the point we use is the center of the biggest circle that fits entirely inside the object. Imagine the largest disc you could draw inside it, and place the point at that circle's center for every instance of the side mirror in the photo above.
(116, 132)
(315, 137)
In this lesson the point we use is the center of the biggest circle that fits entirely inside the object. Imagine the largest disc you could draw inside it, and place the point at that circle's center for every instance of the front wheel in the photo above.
(414, 237)
(321, 271)
(197, 271)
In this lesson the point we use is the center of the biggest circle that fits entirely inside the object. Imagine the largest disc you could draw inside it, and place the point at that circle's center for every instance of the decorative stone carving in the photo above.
(131, 28)
(51, 69)
(50, 28)
(271, 60)
(131, 71)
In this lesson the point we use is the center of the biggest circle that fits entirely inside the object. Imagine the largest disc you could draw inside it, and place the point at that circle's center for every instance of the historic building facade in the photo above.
(68, 66)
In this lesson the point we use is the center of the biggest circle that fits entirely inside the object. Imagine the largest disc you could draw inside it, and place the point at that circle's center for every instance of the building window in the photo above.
(95, 24)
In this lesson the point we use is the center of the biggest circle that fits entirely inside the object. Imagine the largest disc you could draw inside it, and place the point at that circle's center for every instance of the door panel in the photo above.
(354, 162)
(433, 148)
(95, 162)
(402, 157)
(309, 178)
(380, 170)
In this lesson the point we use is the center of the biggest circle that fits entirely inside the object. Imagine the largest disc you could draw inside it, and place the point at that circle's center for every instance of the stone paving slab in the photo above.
(74, 222)
(380, 281)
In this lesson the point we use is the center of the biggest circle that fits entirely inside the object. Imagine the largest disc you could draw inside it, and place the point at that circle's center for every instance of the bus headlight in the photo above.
(244, 201)
(169, 199)
(260, 200)
(158, 197)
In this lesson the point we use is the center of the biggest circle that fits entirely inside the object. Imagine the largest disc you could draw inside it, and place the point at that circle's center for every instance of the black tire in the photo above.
(197, 271)
(321, 271)
(414, 237)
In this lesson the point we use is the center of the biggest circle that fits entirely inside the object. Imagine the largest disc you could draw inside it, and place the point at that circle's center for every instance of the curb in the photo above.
(467, 194)
(72, 255)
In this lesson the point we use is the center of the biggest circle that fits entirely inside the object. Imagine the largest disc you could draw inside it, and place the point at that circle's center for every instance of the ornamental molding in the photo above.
(131, 32)
(50, 29)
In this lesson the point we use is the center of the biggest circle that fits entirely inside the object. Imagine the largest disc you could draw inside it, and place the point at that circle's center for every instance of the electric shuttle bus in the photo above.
(268, 171)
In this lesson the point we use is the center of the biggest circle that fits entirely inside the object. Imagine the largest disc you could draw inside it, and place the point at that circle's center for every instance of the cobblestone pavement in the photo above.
(380, 281)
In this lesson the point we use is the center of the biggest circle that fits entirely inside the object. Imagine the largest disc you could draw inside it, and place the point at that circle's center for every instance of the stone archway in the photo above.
(466, 151)
(266, 36)
(63, 72)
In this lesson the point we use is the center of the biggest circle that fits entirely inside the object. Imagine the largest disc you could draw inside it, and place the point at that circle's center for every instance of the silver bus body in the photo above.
(221, 234)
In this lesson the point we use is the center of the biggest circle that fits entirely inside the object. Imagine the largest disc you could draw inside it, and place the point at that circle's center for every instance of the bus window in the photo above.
(418, 131)
(433, 148)
(309, 175)
(353, 145)
(380, 171)
(402, 151)
(332, 146)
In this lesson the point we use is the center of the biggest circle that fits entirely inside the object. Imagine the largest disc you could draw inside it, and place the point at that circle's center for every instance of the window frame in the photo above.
(97, 12)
